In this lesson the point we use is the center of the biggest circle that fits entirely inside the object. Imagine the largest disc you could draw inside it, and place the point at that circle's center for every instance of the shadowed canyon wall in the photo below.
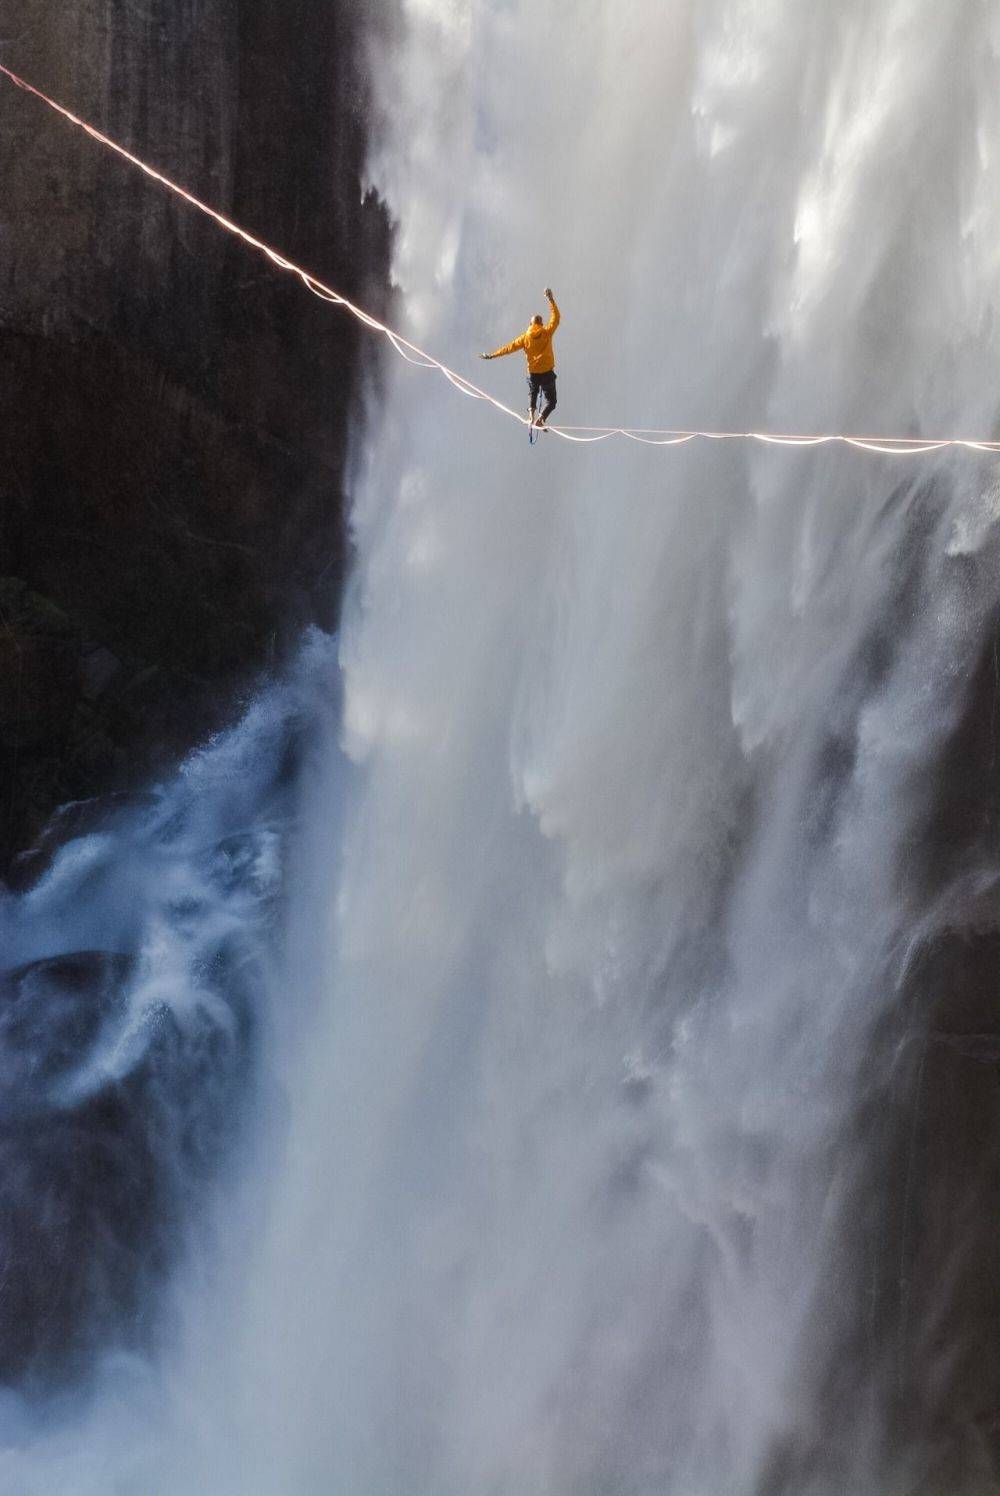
(173, 412)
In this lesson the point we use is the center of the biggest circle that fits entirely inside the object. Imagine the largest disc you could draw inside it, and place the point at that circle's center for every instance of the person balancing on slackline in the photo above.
(537, 345)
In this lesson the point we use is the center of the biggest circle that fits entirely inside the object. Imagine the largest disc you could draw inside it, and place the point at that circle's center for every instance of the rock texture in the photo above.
(173, 413)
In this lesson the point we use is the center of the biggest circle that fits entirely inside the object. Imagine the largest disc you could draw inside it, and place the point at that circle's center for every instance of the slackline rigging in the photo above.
(648, 436)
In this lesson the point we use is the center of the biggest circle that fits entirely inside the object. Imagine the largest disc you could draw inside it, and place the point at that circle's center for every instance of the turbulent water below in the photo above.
(649, 867)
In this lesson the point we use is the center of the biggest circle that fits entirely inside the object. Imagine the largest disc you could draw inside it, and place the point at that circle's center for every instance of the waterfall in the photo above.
(593, 1166)
(141, 1023)
(597, 1181)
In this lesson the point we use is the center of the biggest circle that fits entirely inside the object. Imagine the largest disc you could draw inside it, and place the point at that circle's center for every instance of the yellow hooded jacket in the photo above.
(537, 344)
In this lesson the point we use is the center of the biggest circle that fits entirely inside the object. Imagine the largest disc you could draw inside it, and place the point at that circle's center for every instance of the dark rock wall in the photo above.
(174, 411)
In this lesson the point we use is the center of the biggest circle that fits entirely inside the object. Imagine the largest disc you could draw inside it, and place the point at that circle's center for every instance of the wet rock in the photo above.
(39, 649)
(109, 1127)
(51, 1013)
(78, 818)
(173, 415)
(98, 668)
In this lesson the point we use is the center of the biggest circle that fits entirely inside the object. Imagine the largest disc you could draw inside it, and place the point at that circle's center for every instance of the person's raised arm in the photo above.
(554, 319)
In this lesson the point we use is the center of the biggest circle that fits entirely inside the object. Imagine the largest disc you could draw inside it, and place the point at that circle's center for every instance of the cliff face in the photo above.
(173, 411)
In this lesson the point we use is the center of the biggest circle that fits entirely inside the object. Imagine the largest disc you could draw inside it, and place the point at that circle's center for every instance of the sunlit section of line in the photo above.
(648, 436)
(402, 345)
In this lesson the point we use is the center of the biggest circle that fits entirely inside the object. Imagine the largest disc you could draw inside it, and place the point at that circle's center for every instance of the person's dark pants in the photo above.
(543, 384)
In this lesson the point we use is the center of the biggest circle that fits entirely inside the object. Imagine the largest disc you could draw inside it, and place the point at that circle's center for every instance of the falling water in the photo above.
(607, 978)
(587, 1189)
(139, 1003)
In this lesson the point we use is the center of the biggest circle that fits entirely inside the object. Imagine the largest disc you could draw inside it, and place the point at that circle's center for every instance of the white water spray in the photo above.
(624, 898)
(643, 747)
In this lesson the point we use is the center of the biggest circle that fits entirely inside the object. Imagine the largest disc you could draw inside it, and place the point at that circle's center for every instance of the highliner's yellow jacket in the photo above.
(537, 344)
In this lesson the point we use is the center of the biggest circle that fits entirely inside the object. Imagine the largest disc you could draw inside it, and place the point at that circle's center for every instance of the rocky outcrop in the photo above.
(174, 414)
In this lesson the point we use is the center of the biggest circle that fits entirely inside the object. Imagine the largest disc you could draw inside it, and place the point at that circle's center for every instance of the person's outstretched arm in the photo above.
(507, 348)
(554, 319)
